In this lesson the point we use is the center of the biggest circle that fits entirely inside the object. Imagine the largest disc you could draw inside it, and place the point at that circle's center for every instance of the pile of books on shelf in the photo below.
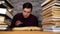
(51, 16)
(51, 28)
(3, 25)
(5, 14)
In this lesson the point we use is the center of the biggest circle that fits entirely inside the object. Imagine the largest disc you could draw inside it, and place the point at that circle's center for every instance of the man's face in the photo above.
(26, 12)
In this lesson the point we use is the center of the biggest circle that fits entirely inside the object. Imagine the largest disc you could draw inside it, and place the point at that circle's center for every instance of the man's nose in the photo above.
(26, 14)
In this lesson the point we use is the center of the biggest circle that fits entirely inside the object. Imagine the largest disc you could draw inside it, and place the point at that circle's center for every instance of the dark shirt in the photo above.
(30, 21)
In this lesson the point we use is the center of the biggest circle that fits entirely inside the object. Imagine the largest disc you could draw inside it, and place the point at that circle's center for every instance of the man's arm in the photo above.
(13, 22)
(18, 22)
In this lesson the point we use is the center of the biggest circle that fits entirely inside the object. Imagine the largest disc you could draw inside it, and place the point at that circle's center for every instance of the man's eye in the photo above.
(24, 11)
(28, 12)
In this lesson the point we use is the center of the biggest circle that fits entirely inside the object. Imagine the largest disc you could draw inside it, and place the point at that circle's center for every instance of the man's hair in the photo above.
(27, 5)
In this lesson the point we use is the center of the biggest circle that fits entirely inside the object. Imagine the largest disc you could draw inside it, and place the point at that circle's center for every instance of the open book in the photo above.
(27, 28)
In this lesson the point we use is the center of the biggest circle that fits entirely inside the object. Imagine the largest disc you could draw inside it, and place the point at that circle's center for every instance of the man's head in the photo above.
(27, 9)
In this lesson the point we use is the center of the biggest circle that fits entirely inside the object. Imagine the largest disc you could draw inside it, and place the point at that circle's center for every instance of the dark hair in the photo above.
(27, 5)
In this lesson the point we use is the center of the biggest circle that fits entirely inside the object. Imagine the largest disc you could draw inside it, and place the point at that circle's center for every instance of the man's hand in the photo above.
(18, 23)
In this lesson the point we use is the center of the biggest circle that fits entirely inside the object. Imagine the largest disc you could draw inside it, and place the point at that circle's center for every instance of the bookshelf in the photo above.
(51, 15)
(6, 16)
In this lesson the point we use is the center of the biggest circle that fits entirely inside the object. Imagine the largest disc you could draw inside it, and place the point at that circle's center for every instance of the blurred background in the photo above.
(37, 9)
(9, 8)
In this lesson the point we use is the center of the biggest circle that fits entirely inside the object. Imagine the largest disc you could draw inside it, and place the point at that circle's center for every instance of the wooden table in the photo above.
(26, 32)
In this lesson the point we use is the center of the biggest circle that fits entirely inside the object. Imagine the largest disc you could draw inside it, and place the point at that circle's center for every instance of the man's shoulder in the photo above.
(33, 16)
(17, 15)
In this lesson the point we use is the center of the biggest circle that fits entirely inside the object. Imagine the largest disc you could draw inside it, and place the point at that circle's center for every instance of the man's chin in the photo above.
(25, 17)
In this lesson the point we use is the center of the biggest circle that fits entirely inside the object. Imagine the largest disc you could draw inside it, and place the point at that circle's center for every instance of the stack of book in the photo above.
(5, 14)
(51, 28)
(50, 14)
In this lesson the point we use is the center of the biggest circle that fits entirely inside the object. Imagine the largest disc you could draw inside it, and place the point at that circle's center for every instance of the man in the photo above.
(25, 18)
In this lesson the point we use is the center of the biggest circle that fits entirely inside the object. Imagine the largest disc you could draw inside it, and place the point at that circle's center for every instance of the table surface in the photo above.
(27, 32)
